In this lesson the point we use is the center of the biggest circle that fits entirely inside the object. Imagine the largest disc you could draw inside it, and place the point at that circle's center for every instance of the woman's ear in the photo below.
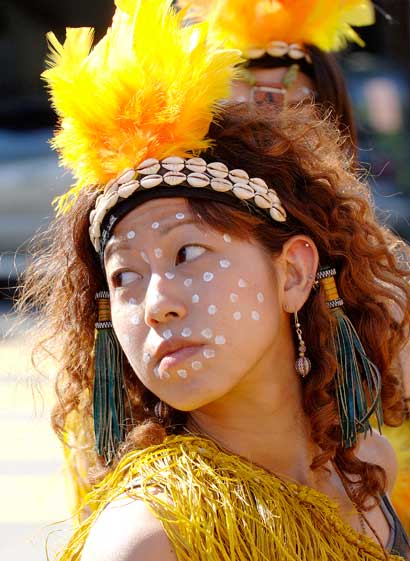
(300, 261)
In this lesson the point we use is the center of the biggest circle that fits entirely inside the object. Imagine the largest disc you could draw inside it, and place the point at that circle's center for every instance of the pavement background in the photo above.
(33, 489)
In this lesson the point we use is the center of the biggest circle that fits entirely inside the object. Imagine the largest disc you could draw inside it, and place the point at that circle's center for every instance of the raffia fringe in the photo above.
(221, 508)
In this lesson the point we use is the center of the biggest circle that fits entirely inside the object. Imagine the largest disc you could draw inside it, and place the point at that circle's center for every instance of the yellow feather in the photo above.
(149, 88)
(247, 24)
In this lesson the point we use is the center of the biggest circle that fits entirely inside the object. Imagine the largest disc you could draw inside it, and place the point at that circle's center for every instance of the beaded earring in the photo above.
(302, 364)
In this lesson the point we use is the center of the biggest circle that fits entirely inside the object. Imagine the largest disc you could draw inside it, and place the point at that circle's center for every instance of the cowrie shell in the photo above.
(262, 201)
(243, 192)
(221, 185)
(110, 201)
(273, 197)
(239, 176)
(174, 178)
(150, 181)
(196, 165)
(217, 169)
(173, 163)
(278, 214)
(149, 167)
(127, 175)
(258, 185)
(198, 180)
(128, 189)
(255, 53)
(110, 184)
(296, 51)
(277, 48)
(92, 215)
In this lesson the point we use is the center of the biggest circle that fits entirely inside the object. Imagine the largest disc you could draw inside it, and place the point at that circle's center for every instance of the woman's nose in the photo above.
(163, 301)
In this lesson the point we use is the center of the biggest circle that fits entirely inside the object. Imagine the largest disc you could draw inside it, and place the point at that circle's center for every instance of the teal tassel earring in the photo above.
(109, 407)
(358, 380)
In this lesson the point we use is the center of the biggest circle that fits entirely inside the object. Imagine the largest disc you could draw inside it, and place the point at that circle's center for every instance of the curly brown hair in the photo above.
(302, 157)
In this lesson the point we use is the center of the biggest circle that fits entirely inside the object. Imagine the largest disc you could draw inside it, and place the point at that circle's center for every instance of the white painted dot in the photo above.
(135, 319)
(209, 353)
(170, 275)
(155, 309)
(180, 216)
(188, 282)
(132, 301)
(212, 309)
(131, 234)
(166, 375)
(237, 315)
(182, 373)
(167, 334)
(207, 333)
(186, 332)
(146, 358)
(156, 372)
(227, 238)
(225, 263)
(126, 339)
(158, 252)
(255, 315)
(220, 340)
(233, 297)
(197, 365)
(144, 256)
(260, 297)
(242, 283)
(208, 276)
(155, 225)
(195, 298)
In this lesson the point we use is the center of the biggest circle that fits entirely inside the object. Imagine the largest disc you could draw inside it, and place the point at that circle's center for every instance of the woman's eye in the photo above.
(125, 278)
(189, 253)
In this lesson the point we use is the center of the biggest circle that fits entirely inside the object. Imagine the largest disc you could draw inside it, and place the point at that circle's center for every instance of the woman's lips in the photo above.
(171, 360)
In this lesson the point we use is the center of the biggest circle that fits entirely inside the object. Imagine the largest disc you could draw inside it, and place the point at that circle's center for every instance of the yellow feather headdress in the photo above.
(249, 25)
(149, 88)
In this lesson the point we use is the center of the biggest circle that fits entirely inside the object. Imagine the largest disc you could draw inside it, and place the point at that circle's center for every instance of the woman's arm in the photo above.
(127, 531)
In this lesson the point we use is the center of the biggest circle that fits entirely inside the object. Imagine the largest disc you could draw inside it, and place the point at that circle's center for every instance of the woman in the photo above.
(231, 391)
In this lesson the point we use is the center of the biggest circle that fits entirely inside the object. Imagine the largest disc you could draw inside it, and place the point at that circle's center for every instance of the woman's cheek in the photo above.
(128, 319)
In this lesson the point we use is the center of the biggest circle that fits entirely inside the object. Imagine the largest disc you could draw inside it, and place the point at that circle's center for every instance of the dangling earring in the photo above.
(161, 411)
(302, 364)
(108, 402)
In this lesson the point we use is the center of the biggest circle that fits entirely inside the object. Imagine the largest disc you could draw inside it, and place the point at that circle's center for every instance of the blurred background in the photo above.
(32, 485)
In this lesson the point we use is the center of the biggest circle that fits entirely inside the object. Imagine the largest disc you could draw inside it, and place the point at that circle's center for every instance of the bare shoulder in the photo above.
(127, 531)
(376, 449)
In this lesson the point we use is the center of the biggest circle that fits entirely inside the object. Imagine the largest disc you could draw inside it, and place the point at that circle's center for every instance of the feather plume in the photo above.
(247, 24)
(149, 88)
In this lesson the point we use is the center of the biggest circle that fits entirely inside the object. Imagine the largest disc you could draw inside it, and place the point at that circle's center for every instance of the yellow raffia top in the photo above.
(215, 506)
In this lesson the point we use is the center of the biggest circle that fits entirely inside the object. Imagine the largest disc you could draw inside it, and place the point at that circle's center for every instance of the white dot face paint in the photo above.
(132, 301)
(155, 225)
(196, 365)
(212, 309)
(167, 334)
(146, 358)
(260, 297)
(126, 339)
(220, 340)
(242, 283)
(188, 282)
(255, 315)
(156, 372)
(237, 316)
(195, 298)
(209, 353)
(224, 263)
(166, 375)
(182, 373)
(180, 216)
(227, 238)
(131, 235)
(144, 256)
(208, 276)
(207, 333)
(170, 275)
(158, 252)
(233, 297)
(186, 332)
(135, 319)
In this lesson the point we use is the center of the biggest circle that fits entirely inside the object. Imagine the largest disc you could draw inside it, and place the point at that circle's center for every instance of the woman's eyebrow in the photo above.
(166, 229)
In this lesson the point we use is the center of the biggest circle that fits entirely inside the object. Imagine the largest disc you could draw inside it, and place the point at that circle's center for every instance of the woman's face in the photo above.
(268, 87)
(195, 310)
